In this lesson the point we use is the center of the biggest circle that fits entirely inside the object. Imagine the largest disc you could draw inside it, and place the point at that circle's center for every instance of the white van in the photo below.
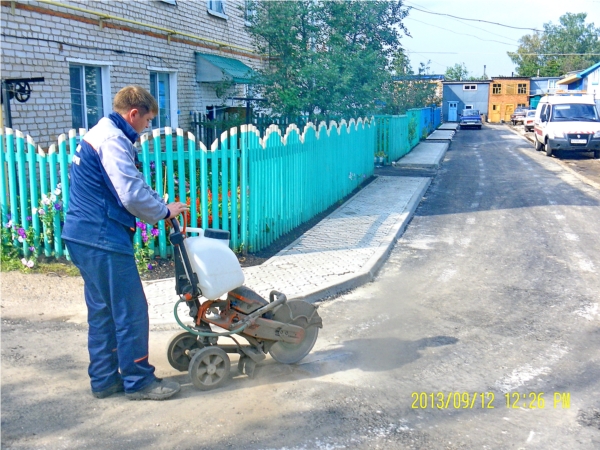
(567, 122)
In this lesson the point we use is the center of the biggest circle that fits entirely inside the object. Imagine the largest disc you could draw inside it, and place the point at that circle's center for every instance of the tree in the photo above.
(408, 90)
(567, 46)
(326, 57)
(457, 72)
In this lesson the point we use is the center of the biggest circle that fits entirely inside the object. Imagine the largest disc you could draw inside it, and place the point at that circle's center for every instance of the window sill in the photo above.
(217, 14)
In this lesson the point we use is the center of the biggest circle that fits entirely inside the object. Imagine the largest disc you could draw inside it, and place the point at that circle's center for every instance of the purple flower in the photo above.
(22, 232)
(144, 236)
(150, 266)
(155, 232)
(141, 226)
(8, 216)
(57, 206)
(29, 218)
(32, 249)
(9, 224)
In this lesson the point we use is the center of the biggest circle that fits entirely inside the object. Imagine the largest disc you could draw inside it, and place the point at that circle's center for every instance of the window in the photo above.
(90, 94)
(469, 87)
(521, 105)
(551, 84)
(249, 11)
(595, 76)
(495, 107)
(522, 88)
(468, 106)
(496, 88)
(216, 8)
(163, 87)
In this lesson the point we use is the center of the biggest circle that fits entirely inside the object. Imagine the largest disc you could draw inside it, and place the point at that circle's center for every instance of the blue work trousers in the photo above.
(117, 318)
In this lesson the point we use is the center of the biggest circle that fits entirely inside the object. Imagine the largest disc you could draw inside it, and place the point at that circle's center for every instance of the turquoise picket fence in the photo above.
(398, 135)
(257, 188)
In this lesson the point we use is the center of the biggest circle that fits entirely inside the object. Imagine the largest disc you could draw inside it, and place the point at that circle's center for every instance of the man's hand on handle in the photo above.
(176, 208)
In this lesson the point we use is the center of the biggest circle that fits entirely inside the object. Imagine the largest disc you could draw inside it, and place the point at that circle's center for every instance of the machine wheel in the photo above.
(288, 353)
(209, 368)
(178, 350)
(548, 149)
(597, 154)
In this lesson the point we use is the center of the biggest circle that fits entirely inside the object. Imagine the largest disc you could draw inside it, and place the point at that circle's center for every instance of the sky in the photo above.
(445, 41)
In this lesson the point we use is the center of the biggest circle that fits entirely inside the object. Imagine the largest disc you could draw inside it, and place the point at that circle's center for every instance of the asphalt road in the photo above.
(481, 331)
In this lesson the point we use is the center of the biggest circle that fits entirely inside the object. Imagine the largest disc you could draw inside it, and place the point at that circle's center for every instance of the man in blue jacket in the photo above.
(107, 193)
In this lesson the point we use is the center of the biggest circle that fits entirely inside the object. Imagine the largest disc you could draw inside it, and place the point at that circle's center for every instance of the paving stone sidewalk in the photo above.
(341, 252)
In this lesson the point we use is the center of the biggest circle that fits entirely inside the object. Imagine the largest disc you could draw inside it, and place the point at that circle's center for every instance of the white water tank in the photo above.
(216, 265)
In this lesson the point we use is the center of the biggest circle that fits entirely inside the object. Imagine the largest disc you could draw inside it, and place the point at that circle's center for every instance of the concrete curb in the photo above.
(378, 259)
(437, 162)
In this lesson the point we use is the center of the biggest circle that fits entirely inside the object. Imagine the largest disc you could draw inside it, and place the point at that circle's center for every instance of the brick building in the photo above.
(507, 94)
(183, 51)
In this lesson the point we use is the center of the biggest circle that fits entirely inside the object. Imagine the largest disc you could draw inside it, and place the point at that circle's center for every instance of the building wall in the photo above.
(478, 98)
(41, 40)
(502, 105)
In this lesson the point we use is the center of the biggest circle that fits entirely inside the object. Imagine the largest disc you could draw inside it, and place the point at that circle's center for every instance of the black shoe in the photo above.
(117, 387)
(157, 390)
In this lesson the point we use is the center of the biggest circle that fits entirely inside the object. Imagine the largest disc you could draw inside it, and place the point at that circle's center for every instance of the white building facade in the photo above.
(86, 51)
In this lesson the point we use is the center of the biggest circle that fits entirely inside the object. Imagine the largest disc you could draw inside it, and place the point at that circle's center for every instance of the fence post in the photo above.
(162, 237)
(3, 179)
(22, 185)
(33, 189)
(244, 186)
(233, 154)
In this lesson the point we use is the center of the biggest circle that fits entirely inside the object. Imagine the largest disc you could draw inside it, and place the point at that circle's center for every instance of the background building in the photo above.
(459, 95)
(507, 94)
(540, 86)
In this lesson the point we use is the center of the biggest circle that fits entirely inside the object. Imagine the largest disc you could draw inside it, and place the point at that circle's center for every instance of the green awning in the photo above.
(213, 68)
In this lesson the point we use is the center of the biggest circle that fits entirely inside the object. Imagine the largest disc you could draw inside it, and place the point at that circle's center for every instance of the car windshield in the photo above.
(574, 111)
(470, 112)
(531, 113)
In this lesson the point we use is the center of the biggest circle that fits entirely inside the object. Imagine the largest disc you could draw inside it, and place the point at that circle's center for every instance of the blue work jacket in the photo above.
(107, 191)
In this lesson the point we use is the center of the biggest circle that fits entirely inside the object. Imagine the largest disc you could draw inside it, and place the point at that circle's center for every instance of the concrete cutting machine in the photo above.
(209, 280)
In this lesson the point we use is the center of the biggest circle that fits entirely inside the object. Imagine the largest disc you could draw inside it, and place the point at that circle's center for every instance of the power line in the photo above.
(473, 20)
(473, 26)
(464, 34)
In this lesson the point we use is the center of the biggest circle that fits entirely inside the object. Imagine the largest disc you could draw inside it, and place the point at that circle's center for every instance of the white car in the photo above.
(567, 122)
(529, 120)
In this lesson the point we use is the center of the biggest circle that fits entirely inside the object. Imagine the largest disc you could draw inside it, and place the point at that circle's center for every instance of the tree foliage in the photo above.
(459, 72)
(564, 47)
(326, 57)
(408, 89)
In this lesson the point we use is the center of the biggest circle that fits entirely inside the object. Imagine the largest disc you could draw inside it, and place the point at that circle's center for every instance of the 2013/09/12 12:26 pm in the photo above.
(485, 400)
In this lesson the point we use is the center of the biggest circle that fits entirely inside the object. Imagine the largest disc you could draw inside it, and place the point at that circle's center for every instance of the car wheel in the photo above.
(597, 154)
(537, 145)
(548, 149)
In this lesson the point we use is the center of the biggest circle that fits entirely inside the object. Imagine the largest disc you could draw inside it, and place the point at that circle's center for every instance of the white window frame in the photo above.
(595, 76)
(105, 75)
(469, 87)
(552, 84)
(173, 112)
(216, 8)
(468, 106)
